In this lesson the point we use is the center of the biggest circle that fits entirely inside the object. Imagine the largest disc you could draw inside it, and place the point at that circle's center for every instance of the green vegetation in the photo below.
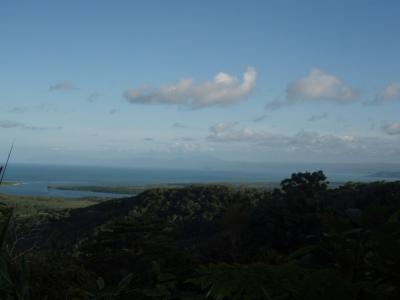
(26, 206)
(301, 241)
(9, 183)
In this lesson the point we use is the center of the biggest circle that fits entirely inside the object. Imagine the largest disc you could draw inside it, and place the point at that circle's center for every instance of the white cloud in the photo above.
(390, 93)
(392, 129)
(225, 132)
(184, 147)
(316, 86)
(321, 86)
(65, 85)
(223, 90)
(221, 127)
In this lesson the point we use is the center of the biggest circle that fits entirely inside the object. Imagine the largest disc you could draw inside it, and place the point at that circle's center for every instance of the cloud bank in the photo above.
(223, 90)
(309, 141)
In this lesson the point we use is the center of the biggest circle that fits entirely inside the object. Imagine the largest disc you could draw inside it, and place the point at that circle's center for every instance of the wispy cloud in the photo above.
(7, 124)
(260, 118)
(244, 135)
(315, 87)
(277, 103)
(18, 109)
(65, 85)
(320, 117)
(223, 90)
(93, 97)
(178, 125)
(187, 139)
(388, 94)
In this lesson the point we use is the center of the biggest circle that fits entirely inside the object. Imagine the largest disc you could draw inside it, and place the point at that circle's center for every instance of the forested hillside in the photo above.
(301, 241)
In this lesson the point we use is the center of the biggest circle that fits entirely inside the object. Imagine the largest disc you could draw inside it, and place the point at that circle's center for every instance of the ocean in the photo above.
(34, 179)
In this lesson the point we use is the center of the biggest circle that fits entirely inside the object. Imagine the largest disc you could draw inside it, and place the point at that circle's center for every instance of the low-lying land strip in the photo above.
(26, 206)
(137, 189)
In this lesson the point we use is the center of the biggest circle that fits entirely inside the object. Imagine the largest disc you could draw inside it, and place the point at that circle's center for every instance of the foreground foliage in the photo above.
(301, 241)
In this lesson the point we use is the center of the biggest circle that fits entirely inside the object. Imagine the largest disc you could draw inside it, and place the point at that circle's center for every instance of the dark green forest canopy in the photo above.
(300, 241)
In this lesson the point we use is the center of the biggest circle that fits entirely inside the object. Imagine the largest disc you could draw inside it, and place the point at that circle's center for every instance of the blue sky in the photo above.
(123, 82)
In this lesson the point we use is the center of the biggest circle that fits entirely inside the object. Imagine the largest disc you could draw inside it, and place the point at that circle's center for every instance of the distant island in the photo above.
(386, 174)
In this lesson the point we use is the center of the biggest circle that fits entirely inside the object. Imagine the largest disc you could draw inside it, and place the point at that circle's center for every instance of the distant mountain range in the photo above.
(386, 174)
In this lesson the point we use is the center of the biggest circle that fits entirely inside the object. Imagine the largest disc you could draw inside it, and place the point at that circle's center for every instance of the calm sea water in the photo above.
(35, 179)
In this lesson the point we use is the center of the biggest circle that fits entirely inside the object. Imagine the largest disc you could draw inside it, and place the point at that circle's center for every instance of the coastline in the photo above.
(136, 189)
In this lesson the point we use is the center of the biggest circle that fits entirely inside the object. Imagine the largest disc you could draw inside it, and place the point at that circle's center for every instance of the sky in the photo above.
(136, 82)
